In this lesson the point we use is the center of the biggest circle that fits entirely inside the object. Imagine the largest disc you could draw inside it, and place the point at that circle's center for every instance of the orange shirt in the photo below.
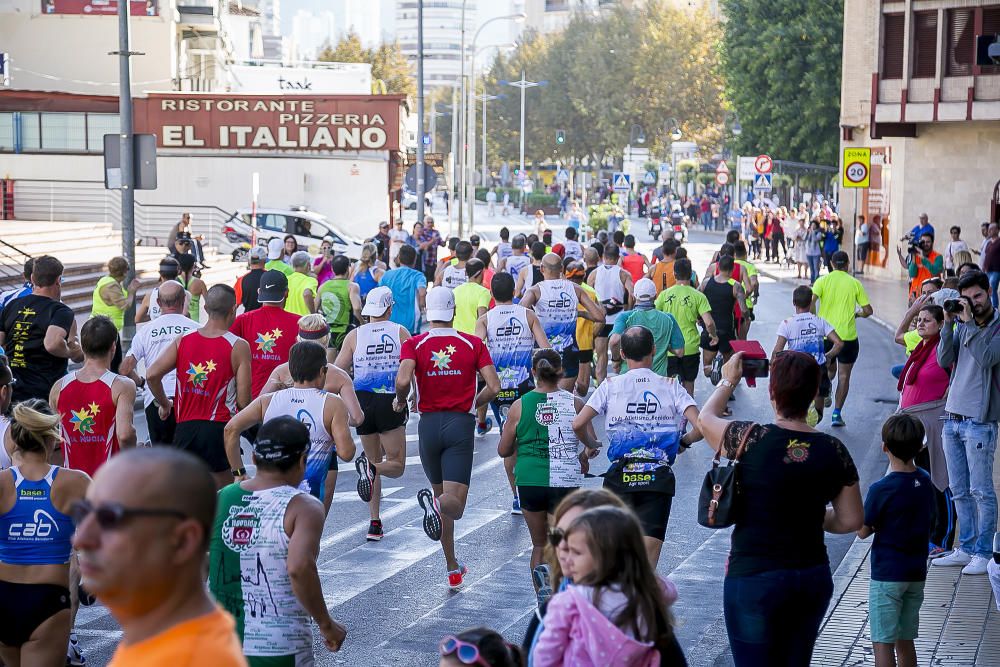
(207, 640)
(663, 275)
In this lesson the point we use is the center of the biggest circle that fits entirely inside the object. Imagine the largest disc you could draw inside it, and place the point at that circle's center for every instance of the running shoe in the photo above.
(812, 416)
(934, 551)
(515, 507)
(827, 401)
(485, 427)
(716, 373)
(74, 654)
(456, 577)
(374, 531)
(836, 419)
(542, 577)
(366, 477)
(432, 514)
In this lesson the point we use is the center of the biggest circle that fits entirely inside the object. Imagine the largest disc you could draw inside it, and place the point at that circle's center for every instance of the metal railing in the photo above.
(12, 261)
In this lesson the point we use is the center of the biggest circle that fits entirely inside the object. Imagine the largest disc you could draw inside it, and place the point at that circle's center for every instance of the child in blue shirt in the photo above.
(899, 511)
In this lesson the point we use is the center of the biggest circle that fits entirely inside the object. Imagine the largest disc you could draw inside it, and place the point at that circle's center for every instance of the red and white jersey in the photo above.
(447, 362)
(87, 411)
(206, 382)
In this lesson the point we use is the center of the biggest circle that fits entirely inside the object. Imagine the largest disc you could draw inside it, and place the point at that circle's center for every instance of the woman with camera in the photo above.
(778, 583)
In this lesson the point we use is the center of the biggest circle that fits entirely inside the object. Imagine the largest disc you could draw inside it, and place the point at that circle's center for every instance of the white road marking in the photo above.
(348, 496)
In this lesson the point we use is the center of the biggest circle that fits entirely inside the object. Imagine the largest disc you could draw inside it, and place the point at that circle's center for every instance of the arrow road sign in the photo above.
(762, 182)
(763, 164)
(621, 182)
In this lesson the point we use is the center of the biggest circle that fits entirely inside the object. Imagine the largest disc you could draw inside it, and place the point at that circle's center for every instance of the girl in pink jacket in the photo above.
(615, 612)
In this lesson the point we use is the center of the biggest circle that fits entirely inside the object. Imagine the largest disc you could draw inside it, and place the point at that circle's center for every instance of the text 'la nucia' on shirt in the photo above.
(88, 416)
(206, 381)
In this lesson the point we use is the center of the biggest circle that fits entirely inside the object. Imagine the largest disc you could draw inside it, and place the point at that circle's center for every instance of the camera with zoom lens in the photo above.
(912, 244)
(953, 306)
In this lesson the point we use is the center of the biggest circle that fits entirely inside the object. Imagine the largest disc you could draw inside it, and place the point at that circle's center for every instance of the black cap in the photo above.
(183, 236)
(273, 286)
(281, 439)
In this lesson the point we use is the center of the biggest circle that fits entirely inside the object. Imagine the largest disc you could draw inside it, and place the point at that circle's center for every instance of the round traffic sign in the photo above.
(856, 172)
(722, 177)
(762, 164)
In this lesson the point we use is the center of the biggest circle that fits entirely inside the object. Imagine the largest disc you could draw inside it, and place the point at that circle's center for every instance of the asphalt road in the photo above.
(392, 595)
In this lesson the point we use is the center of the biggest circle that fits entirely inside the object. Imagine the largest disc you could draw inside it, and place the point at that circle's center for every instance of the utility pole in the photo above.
(420, 111)
(523, 83)
(484, 98)
(125, 145)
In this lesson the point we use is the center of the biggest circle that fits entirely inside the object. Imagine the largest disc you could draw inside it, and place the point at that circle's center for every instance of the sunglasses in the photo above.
(112, 516)
(467, 654)
(556, 536)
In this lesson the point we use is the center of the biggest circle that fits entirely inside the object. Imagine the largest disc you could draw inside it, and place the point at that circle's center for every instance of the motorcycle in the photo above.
(655, 222)
(677, 224)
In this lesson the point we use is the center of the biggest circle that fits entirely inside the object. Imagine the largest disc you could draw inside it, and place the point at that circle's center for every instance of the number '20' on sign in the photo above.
(857, 167)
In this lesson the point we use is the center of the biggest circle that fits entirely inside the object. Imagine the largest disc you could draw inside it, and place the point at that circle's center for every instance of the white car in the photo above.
(308, 227)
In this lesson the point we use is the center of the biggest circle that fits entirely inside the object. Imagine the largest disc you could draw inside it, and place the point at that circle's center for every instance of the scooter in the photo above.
(655, 222)
(677, 223)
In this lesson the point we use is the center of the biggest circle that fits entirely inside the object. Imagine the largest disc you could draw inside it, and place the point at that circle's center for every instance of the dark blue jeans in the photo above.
(773, 618)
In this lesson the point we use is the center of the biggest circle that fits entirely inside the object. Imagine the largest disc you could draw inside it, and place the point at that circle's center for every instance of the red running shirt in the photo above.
(270, 331)
(87, 411)
(447, 362)
(634, 265)
(206, 383)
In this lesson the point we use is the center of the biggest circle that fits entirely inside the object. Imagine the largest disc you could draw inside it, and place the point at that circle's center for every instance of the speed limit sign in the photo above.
(857, 167)
(722, 178)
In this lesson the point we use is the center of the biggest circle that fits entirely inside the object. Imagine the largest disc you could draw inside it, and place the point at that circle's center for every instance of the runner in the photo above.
(94, 404)
(451, 275)
(667, 335)
(528, 278)
(36, 499)
(739, 275)
(585, 329)
(247, 285)
(269, 330)
(554, 301)
(324, 413)
(634, 261)
(409, 289)
(842, 299)
(662, 273)
(614, 288)
(194, 285)
(214, 365)
(278, 562)
(724, 296)
(472, 300)
(549, 462)
(444, 364)
(149, 308)
(645, 418)
(510, 332)
(687, 305)
(573, 248)
(339, 299)
(752, 285)
(502, 249)
(373, 352)
(517, 260)
(147, 345)
(6, 444)
(302, 285)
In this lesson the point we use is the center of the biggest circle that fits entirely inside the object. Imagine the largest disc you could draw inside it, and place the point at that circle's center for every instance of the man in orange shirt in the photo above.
(141, 536)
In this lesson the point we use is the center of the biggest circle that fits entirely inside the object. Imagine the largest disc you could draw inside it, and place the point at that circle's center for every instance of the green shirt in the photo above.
(686, 304)
(335, 303)
(912, 339)
(469, 298)
(839, 296)
(667, 334)
(547, 448)
(278, 265)
(298, 283)
(751, 272)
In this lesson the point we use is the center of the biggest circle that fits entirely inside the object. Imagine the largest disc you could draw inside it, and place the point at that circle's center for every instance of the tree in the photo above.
(782, 64)
(388, 63)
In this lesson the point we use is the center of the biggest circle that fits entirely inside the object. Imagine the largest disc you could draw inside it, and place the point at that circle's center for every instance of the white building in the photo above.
(362, 17)
(553, 15)
(311, 32)
(442, 37)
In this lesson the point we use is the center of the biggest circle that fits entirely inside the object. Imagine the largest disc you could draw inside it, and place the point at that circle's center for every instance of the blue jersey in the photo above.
(34, 532)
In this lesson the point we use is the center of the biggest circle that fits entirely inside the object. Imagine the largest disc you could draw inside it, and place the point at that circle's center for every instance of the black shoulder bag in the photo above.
(717, 504)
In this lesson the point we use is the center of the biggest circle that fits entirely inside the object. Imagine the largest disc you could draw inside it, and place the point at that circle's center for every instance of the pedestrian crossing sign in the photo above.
(621, 182)
(562, 176)
(762, 182)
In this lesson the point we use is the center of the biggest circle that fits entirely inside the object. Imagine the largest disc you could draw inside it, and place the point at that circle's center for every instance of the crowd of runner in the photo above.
(252, 408)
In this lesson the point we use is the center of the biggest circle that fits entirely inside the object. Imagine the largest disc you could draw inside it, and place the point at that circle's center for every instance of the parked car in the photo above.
(409, 200)
(308, 227)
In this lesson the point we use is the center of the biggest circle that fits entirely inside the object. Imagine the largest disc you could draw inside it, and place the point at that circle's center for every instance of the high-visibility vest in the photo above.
(114, 313)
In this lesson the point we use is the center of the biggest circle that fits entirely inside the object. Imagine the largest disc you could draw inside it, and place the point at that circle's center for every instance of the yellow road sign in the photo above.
(857, 167)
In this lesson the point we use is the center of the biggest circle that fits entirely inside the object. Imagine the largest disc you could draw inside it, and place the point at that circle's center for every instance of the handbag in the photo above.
(719, 498)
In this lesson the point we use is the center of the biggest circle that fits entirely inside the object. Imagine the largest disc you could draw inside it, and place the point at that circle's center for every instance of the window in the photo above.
(893, 31)
(301, 226)
(924, 45)
(271, 222)
(63, 131)
(991, 26)
(31, 135)
(6, 131)
(99, 124)
(960, 42)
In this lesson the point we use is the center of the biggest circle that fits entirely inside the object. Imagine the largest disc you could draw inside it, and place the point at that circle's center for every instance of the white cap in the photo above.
(377, 302)
(274, 248)
(440, 304)
(644, 290)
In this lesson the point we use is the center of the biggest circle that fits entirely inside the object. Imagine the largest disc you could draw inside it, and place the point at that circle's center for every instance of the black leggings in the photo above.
(24, 607)
(447, 446)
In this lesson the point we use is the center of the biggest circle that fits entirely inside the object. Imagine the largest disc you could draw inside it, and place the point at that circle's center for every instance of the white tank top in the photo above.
(306, 405)
(510, 342)
(376, 357)
(515, 263)
(608, 285)
(504, 250)
(4, 458)
(453, 276)
(154, 306)
(573, 249)
(556, 310)
(645, 418)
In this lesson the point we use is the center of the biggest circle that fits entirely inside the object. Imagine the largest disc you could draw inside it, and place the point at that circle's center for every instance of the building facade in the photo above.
(912, 91)
(442, 37)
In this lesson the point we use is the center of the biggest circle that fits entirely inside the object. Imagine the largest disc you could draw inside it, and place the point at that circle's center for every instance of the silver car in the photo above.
(308, 227)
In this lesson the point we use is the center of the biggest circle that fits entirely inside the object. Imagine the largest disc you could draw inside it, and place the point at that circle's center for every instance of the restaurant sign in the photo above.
(271, 122)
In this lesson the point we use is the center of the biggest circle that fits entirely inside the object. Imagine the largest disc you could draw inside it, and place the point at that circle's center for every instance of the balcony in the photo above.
(198, 15)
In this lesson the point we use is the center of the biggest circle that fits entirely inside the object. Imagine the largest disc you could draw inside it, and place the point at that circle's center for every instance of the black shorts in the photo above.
(27, 606)
(160, 432)
(571, 361)
(848, 353)
(724, 346)
(447, 446)
(501, 404)
(334, 466)
(337, 337)
(205, 439)
(542, 498)
(379, 415)
(686, 367)
(603, 332)
(584, 357)
(653, 510)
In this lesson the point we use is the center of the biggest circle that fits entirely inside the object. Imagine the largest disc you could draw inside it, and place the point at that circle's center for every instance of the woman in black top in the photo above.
(778, 584)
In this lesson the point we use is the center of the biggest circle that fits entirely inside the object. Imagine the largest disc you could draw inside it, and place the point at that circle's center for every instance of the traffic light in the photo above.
(560, 137)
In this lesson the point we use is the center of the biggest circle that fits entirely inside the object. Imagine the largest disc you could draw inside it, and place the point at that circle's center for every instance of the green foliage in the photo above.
(536, 200)
(387, 61)
(597, 217)
(782, 63)
(515, 194)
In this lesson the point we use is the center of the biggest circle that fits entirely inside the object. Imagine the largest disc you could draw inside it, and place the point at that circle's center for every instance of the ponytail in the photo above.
(547, 364)
(33, 425)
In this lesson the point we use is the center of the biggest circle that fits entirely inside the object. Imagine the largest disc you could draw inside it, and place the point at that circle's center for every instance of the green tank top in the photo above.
(194, 307)
(547, 448)
(335, 303)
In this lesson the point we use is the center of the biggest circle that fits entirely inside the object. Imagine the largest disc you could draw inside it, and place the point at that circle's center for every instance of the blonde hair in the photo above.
(369, 254)
(962, 257)
(314, 322)
(34, 427)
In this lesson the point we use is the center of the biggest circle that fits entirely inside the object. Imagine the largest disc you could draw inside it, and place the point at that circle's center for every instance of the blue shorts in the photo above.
(894, 610)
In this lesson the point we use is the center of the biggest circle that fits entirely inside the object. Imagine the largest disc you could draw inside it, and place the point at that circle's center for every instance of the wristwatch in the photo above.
(239, 472)
(726, 383)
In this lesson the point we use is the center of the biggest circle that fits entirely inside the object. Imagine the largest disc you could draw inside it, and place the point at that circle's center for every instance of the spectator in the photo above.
(971, 414)
(861, 241)
(382, 241)
(290, 246)
(955, 245)
(991, 263)
(922, 228)
(989, 235)
(491, 202)
(367, 271)
(429, 241)
(409, 289)
(321, 265)
(184, 227)
(898, 512)
(110, 298)
(778, 584)
(398, 237)
(142, 551)
(274, 260)
(923, 263)
(814, 250)
(38, 332)
(248, 284)
(479, 646)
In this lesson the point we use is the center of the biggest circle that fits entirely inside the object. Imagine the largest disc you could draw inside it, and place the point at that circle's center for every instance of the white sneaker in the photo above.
(976, 566)
(956, 558)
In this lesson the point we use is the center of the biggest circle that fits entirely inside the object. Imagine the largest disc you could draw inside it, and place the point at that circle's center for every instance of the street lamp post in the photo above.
(484, 98)
(523, 83)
